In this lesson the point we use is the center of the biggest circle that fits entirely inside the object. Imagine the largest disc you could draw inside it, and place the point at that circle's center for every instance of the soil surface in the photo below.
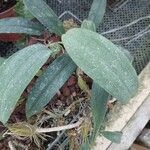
(4, 5)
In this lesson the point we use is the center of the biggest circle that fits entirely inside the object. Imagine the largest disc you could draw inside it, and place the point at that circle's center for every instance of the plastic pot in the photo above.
(11, 37)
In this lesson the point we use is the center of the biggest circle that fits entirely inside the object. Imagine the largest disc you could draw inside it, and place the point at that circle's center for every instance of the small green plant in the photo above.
(106, 63)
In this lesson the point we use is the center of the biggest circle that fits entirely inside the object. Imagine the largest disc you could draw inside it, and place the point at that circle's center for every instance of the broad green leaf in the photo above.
(22, 11)
(40, 10)
(15, 74)
(103, 61)
(1, 60)
(87, 24)
(99, 107)
(113, 136)
(49, 83)
(20, 25)
(97, 11)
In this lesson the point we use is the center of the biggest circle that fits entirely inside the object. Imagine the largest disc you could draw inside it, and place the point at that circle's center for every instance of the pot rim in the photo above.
(7, 10)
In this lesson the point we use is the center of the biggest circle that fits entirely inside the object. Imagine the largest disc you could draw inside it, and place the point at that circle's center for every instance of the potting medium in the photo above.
(125, 23)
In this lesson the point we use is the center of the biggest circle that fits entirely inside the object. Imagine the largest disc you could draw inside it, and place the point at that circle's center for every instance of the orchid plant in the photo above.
(109, 67)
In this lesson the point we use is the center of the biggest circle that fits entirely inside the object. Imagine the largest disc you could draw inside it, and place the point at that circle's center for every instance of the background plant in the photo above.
(110, 69)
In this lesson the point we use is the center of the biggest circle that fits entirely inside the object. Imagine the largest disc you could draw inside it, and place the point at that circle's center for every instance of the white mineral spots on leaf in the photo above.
(102, 61)
(20, 64)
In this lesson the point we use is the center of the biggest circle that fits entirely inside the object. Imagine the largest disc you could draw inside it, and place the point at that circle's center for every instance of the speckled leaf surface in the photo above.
(40, 10)
(15, 74)
(49, 83)
(97, 11)
(20, 25)
(99, 107)
(99, 96)
(102, 61)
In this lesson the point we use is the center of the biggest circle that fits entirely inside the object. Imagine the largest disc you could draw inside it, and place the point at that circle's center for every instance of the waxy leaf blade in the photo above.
(115, 136)
(49, 83)
(102, 61)
(20, 25)
(99, 107)
(97, 11)
(15, 74)
(40, 10)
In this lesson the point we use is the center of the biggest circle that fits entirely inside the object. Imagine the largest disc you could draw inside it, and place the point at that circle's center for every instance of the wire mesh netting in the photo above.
(126, 23)
(7, 49)
(134, 15)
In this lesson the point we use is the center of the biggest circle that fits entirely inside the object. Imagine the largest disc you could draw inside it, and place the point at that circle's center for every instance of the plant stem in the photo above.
(72, 105)
(55, 129)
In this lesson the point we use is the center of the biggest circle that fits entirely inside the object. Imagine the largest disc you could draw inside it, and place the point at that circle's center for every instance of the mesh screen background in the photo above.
(116, 16)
